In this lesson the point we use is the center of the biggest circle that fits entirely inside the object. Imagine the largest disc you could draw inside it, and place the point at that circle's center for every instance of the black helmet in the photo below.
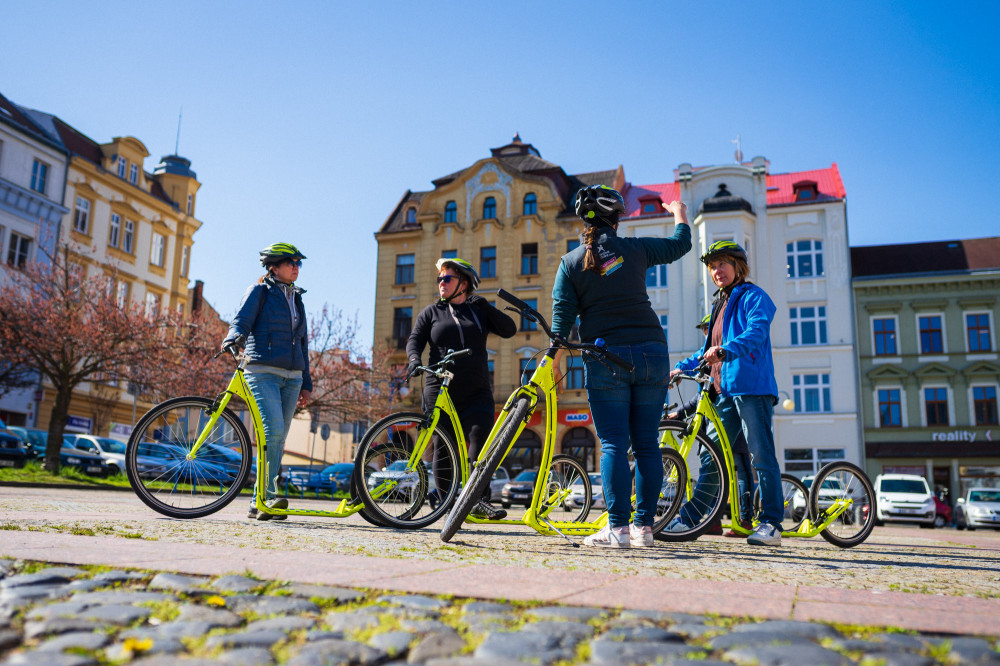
(705, 321)
(599, 203)
(462, 267)
(724, 248)
(279, 252)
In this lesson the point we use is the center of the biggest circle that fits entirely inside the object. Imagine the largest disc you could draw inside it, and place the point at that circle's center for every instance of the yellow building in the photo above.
(134, 226)
(510, 215)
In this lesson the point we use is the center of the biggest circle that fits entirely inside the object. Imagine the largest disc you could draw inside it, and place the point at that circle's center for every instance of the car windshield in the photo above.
(904, 486)
(111, 445)
(527, 475)
(340, 468)
(984, 496)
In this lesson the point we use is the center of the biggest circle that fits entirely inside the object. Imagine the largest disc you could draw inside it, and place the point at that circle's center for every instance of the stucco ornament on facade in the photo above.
(837, 261)
(500, 182)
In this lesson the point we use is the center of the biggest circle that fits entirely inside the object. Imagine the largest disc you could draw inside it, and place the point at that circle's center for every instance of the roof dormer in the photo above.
(805, 190)
(124, 157)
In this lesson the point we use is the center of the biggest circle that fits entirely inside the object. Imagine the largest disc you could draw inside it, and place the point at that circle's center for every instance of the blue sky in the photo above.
(307, 121)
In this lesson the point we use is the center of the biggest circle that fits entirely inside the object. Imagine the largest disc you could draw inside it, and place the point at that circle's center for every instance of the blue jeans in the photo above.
(276, 399)
(752, 414)
(626, 407)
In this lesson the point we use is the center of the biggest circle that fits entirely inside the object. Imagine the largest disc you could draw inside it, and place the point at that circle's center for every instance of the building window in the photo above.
(526, 367)
(121, 166)
(936, 406)
(664, 320)
(129, 236)
(527, 324)
(931, 334)
(156, 250)
(489, 208)
(450, 212)
(984, 400)
(811, 393)
(489, 370)
(121, 297)
(805, 190)
(114, 229)
(402, 324)
(885, 336)
(656, 276)
(808, 325)
(190, 206)
(185, 254)
(488, 262)
(449, 254)
(530, 204)
(152, 304)
(803, 462)
(574, 372)
(572, 244)
(19, 250)
(133, 174)
(805, 258)
(81, 215)
(405, 266)
(39, 176)
(890, 408)
(529, 259)
(978, 327)
(411, 216)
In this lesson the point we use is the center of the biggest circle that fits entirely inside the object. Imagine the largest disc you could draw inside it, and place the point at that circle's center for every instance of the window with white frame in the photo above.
(156, 250)
(152, 304)
(931, 328)
(114, 230)
(656, 276)
(808, 325)
(81, 215)
(19, 251)
(977, 331)
(39, 176)
(890, 407)
(128, 239)
(121, 296)
(984, 405)
(664, 321)
(806, 462)
(935, 405)
(811, 392)
(121, 164)
(805, 258)
(185, 253)
(133, 174)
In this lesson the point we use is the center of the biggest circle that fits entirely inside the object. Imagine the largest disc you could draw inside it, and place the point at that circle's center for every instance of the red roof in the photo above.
(780, 189)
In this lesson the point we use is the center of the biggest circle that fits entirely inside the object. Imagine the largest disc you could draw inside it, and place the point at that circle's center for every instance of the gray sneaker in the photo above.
(279, 503)
(766, 535)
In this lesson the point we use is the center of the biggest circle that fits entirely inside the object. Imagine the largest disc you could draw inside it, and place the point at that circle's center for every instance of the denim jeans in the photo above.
(752, 414)
(626, 407)
(276, 398)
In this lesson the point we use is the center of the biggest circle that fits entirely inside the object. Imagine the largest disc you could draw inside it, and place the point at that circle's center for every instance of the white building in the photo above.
(794, 228)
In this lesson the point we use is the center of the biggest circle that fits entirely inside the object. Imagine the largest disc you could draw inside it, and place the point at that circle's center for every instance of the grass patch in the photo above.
(10, 527)
(32, 472)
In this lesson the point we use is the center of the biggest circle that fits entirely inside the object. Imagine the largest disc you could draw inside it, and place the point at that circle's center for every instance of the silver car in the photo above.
(979, 508)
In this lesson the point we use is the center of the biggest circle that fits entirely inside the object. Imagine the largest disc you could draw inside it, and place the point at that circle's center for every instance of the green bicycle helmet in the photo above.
(724, 248)
(599, 204)
(705, 321)
(279, 252)
(462, 267)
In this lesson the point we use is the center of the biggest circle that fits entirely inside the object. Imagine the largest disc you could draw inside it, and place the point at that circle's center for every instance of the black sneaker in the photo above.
(486, 510)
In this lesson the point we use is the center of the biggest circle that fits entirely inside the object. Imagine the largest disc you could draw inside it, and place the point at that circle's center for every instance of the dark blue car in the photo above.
(12, 453)
(330, 479)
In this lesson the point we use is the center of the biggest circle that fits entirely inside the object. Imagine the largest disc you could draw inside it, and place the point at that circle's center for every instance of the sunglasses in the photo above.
(295, 262)
(446, 278)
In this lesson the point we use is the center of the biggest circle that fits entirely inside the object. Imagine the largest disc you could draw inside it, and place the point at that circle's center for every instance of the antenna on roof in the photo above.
(177, 143)
(739, 149)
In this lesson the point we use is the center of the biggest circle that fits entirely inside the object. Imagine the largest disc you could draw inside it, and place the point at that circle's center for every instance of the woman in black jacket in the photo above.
(460, 320)
(271, 321)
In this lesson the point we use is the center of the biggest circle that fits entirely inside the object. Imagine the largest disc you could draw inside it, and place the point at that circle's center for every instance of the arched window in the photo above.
(489, 208)
(411, 215)
(451, 212)
(530, 204)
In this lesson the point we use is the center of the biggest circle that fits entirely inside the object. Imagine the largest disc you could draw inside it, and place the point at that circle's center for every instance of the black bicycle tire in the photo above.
(479, 477)
(585, 479)
(694, 533)
(678, 461)
(813, 502)
(374, 512)
(794, 480)
(135, 480)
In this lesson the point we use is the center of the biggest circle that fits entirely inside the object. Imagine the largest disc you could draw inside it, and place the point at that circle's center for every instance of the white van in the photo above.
(904, 498)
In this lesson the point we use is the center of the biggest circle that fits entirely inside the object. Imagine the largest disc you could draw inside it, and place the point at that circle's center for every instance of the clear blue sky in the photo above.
(307, 121)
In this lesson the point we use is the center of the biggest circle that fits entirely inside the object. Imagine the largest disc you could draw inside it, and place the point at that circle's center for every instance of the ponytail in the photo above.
(590, 258)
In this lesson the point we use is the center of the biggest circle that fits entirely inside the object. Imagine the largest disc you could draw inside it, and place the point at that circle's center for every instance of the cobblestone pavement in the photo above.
(621, 599)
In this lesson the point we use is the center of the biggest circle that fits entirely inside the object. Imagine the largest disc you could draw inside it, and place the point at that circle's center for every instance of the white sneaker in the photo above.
(640, 536)
(609, 537)
(766, 535)
(677, 525)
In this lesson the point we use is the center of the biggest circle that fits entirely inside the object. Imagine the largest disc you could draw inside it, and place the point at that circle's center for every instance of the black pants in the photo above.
(477, 416)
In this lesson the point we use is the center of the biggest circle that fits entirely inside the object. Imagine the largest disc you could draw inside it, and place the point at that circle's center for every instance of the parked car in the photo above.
(904, 498)
(942, 512)
(979, 508)
(35, 440)
(88, 463)
(330, 479)
(174, 465)
(405, 481)
(575, 498)
(111, 450)
(12, 453)
(518, 490)
(499, 480)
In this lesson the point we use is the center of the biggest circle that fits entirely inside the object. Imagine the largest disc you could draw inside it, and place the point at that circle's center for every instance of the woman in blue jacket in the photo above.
(738, 350)
(271, 321)
(604, 282)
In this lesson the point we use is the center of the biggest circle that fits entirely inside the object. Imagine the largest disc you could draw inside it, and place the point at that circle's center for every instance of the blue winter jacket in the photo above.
(263, 318)
(748, 368)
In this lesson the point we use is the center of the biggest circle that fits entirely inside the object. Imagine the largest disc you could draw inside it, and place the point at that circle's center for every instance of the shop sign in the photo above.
(78, 424)
(959, 436)
(575, 417)
(120, 430)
